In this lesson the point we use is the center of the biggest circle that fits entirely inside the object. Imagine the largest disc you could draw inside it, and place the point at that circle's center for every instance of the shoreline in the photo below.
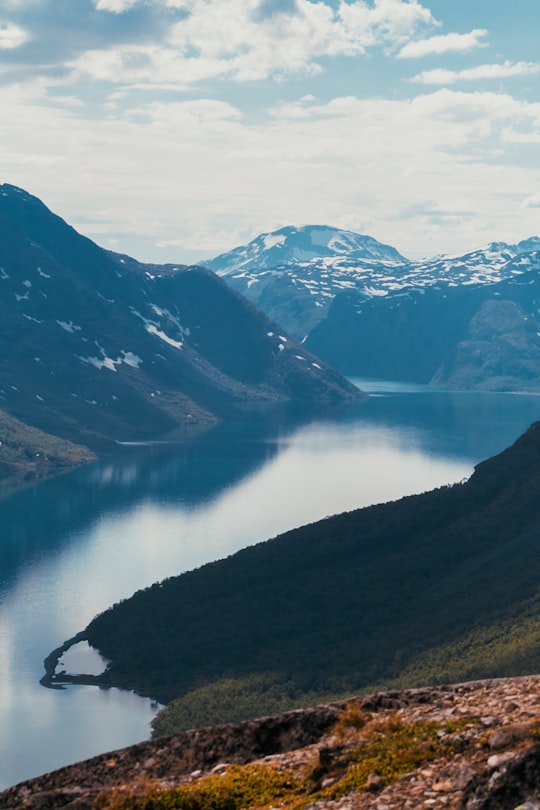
(54, 680)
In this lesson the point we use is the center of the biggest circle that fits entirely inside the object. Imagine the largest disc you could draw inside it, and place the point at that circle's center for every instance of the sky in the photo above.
(175, 130)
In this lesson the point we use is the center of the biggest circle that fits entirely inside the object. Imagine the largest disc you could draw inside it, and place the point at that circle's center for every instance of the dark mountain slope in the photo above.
(97, 347)
(348, 601)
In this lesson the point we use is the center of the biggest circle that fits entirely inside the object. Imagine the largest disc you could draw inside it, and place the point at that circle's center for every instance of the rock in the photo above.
(516, 781)
(374, 783)
(496, 760)
(503, 737)
(528, 806)
(453, 778)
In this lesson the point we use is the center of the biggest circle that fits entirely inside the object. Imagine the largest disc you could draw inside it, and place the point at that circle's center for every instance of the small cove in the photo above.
(75, 545)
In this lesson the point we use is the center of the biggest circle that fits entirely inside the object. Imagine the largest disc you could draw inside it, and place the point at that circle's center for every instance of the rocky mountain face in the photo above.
(468, 321)
(471, 746)
(484, 336)
(98, 348)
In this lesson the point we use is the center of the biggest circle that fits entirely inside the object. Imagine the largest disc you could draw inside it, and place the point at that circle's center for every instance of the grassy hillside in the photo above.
(431, 587)
(28, 455)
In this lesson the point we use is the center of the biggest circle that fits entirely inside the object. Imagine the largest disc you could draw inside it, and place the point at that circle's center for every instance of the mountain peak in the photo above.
(297, 244)
(9, 192)
(528, 245)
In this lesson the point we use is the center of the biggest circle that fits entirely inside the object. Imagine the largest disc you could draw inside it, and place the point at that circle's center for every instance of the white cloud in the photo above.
(200, 173)
(495, 71)
(427, 134)
(230, 39)
(137, 170)
(390, 21)
(511, 135)
(115, 6)
(444, 44)
(533, 201)
(12, 36)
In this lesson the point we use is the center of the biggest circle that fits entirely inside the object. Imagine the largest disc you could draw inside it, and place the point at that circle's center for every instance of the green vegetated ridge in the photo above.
(434, 587)
(28, 455)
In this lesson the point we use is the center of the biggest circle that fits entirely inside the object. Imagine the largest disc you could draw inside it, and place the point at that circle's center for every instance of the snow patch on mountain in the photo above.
(129, 358)
(273, 240)
(152, 330)
(69, 326)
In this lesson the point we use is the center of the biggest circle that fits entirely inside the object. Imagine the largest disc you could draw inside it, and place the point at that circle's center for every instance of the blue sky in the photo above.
(174, 130)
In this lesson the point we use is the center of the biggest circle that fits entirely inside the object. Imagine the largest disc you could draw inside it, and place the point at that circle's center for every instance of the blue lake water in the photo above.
(72, 546)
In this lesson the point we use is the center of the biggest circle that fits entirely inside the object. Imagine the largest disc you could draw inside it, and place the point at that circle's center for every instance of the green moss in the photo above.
(241, 786)
(386, 747)
(389, 749)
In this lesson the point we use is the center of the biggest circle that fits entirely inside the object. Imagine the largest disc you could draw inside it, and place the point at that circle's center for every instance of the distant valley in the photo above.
(467, 321)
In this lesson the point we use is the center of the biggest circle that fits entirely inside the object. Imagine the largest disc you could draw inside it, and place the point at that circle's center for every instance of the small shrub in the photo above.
(386, 747)
(241, 786)
(389, 748)
(353, 719)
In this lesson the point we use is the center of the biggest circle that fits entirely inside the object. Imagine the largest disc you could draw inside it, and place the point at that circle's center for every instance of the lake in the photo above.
(72, 546)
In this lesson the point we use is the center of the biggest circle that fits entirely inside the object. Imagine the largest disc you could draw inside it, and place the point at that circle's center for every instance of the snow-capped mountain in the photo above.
(462, 336)
(293, 245)
(294, 274)
(468, 320)
(98, 347)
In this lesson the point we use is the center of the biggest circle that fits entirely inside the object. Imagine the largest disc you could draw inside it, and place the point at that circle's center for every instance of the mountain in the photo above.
(476, 335)
(380, 315)
(98, 348)
(436, 587)
(293, 245)
(292, 274)
(472, 746)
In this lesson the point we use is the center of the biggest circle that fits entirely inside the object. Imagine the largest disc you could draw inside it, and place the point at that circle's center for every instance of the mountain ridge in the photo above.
(483, 336)
(364, 316)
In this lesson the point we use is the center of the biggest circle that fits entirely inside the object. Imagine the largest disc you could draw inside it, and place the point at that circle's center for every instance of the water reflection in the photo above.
(40, 519)
(81, 658)
(466, 424)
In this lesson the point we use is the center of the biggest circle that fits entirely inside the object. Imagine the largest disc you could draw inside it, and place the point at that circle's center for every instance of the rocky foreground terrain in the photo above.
(472, 746)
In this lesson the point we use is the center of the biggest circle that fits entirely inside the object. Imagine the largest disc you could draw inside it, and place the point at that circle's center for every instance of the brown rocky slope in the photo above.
(470, 746)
